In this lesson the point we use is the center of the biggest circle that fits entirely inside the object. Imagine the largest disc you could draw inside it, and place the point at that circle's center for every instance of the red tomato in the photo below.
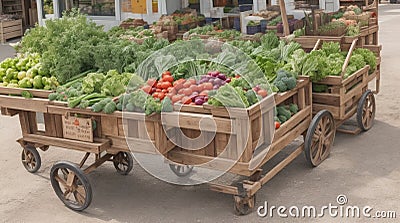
(176, 98)
(187, 84)
(155, 95)
(161, 95)
(204, 93)
(158, 90)
(277, 125)
(165, 85)
(186, 100)
(187, 92)
(164, 91)
(151, 82)
(168, 78)
(166, 73)
(159, 85)
(207, 86)
(263, 93)
(147, 89)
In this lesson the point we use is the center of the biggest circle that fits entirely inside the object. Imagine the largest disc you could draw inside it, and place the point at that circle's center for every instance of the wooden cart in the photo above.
(113, 131)
(260, 145)
(350, 96)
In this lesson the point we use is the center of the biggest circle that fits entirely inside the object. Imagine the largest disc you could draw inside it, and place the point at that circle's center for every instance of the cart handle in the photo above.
(346, 62)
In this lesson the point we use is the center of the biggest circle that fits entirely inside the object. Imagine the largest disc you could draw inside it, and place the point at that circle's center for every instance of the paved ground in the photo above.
(365, 168)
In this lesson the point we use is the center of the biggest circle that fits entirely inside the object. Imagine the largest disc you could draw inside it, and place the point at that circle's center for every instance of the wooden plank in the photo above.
(12, 29)
(333, 109)
(191, 121)
(281, 165)
(109, 125)
(96, 147)
(282, 5)
(326, 98)
(49, 124)
(20, 103)
(58, 126)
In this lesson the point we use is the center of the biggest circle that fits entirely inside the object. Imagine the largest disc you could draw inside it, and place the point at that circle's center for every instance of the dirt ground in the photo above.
(365, 168)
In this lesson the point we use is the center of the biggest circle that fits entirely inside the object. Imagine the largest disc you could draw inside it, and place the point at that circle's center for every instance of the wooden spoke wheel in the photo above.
(31, 159)
(366, 111)
(123, 162)
(71, 185)
(244, 205)
(181, 170)
(319, 138)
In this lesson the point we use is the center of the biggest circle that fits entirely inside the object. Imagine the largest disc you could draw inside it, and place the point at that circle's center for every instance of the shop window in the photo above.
(91, 7)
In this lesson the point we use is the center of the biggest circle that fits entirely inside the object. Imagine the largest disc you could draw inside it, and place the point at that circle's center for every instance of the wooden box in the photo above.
(251, 129)
(10, 29)
(343, 94)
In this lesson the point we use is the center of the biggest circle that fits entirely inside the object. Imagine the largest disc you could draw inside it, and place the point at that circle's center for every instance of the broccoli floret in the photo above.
(130, 107)
(290, 83)
(98, 107)
(251, 97)
(281, 74)
(119, 106)
(293, 108)
(110, 107)
(53, 96)
(319, 88)
(280, 85)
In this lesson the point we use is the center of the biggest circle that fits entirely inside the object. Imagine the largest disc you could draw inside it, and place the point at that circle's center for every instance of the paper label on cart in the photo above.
(78, 128)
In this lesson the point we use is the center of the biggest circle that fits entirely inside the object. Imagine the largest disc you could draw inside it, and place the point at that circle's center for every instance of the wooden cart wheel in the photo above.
(319, 138)
(123, 162)
(244, 205)
(366, 111)
(181, 170)
(31, 159)
(71, 185)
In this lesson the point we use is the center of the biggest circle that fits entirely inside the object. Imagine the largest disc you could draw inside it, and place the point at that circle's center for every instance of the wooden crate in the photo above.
(10, 29)
(234, 131)
(343, 95)
(308, 42)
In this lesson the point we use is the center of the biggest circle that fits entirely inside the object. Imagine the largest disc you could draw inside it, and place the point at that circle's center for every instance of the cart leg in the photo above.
(244, 205)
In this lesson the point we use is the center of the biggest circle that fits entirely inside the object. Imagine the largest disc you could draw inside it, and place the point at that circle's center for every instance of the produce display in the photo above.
(25, 71)
(111, 62)
(284, 113)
